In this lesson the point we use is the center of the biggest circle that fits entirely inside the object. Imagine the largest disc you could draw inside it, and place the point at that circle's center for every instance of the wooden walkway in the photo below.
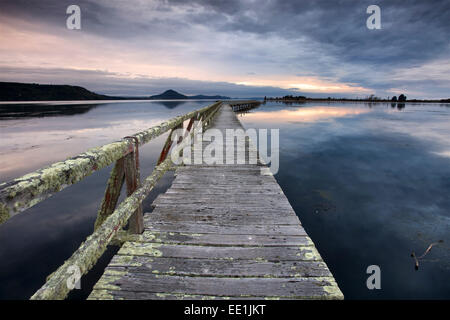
(219, 232)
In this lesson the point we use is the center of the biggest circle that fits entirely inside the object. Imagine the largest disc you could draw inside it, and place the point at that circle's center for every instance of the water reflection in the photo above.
(370, 185)
(28, 143)
(303, 114)
(171, 104)
(50, 231)
(15, 111)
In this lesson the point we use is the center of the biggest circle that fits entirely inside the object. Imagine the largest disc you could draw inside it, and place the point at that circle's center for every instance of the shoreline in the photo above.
(354, 100)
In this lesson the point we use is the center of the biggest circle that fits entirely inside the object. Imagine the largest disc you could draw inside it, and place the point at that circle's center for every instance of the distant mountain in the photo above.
(173, 95)
(201, 97)
(169, 95)
(14, 91)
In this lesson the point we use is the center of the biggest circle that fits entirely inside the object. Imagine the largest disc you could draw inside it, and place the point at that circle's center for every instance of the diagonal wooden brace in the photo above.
(167, 145)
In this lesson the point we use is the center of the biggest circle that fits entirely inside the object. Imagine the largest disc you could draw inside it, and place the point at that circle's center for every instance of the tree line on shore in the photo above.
(372, 98)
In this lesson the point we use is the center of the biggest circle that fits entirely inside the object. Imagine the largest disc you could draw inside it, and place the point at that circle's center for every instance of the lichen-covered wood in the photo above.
(108, 223)
(24, 192)
(219, 232)
(132, 179)
(95, 245)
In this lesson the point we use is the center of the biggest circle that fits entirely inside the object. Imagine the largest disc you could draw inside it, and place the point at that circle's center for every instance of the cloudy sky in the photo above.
(239, 48)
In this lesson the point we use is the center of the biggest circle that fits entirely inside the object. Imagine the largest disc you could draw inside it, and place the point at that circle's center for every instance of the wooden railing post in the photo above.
(133, 182)
(95, 245)
(24, 192)
(125, 169)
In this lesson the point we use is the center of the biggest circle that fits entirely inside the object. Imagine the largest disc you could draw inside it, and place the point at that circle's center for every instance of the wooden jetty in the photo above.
(239, 106)
(221, 231)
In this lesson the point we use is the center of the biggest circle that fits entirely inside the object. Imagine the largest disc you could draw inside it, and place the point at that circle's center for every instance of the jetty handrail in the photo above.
(85, 257)
(22, 193)
(242, 106)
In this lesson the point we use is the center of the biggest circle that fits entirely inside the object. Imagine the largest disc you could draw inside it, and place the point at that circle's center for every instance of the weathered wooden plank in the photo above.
(130, 295)
(220, 239)
(310, 287)
(219, 173)
(238, 228)
(218, 267)
(192, 205)
(202, 190)
(223, 178)
(262, 212)
(213, 193)
(222, 184)
(213, 168)
(274, 200)
(151, 249)
(222, 218)
(220, 231)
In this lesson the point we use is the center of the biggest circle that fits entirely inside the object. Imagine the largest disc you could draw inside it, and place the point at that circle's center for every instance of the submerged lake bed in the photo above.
(369, 182)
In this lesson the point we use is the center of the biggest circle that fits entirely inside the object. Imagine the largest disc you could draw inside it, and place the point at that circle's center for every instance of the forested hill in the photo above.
(13, 91)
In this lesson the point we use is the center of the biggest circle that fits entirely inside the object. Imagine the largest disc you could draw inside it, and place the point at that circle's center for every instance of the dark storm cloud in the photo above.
(412, 31)
(329, 39)
(112, 19)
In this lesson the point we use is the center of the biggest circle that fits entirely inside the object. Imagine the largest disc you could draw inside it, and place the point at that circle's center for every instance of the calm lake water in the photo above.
(370, 184)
